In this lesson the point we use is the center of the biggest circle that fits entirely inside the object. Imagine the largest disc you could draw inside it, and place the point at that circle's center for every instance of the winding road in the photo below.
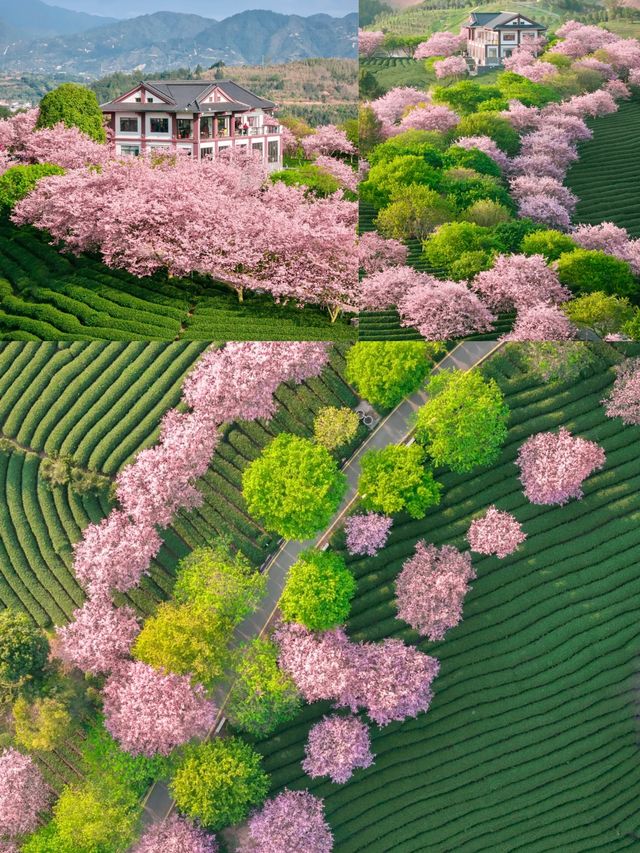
(395, 428)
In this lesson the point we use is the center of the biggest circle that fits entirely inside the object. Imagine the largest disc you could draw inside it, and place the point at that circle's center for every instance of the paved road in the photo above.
(395, 428)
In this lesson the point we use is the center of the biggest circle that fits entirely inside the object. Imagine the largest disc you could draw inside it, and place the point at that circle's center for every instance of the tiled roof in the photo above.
(187, 95)
(498, 20)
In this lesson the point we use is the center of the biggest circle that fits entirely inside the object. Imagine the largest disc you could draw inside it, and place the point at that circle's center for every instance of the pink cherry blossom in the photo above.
(390, 107)
(572, 127)
(175, 835)
(541, 323)
(624, 400)
(430, 117)
(340, 170)
(24, 795)
(593, 64)
(289, 141)
(431, 588)
(593, 104)
(327, 139)
(553, 466)
(386, 288)
(525, 186)
(582, 39)
(367, 533)
(519, 281)
(440, 44)
(150, 712)
(444, 309)
(545, 209)
(521, 117)
(336, 747)
(99, 638)
(487, 146)
(634, 77)
(537, 164)
(292, 821)
(617, 89)
(623, 54)
(377, 253)
(369, 42)
(496, 532)
(452, 66)
(611, 239)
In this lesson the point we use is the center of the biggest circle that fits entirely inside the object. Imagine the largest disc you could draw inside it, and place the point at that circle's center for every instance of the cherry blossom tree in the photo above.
(430, 117)
(24, 794)
(593, 104)
(582, 39)
(618, 90)
(444, 309)
(238, 381)
(290, 142)
(114, 554)
(385, 288)
(440, 44)
(99, 637)
(369, 42)
(553, 466)
(623, 54)
(150, 712)
(611, 239)
(496, 532)
(175, 835)
(376, 253)
(572, 126)
(590, 63)
(634, 77)
(552, 142)
(340, 170)
(487, 146)
(545, 209)
(519, 281)
(624, 400)
(537, 164)
(336, 747)
(431, 588)
(327, 139)
(367, 533)
(390, 107)
(541, 323)
(294, 820)
(525, 186)
(520, 116)
(453, 66)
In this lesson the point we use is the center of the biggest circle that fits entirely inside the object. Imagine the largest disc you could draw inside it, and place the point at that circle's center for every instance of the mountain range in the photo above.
(42, 39)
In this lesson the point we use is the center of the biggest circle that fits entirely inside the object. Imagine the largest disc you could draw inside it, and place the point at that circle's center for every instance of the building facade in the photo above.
(201, 119)
(493, 36)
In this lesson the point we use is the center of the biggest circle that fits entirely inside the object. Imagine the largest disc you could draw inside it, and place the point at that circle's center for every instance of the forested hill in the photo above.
(169, 40)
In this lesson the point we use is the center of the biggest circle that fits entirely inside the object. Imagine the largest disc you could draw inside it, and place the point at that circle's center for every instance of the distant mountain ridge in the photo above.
(28, 19)
(166, 40)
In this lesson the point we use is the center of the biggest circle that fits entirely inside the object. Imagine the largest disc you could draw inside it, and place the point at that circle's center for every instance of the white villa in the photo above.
(492, 36)
(200, 118)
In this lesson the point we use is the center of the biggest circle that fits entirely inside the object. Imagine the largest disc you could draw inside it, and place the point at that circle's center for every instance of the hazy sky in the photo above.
(209, 8)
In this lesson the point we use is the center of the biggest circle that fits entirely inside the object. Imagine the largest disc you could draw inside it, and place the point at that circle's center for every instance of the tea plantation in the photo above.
(531, 740)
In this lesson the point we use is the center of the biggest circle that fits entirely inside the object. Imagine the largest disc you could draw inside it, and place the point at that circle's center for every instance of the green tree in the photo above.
(513, 86)
(262, 696)
(604, 313)
(549, 243)
(217, 782)
(486, 212)
(384, 372)
(473, 158)
(447, 243)
(395, 479)
(318, 591)
(369, 130)
(293, 487)
(23, 652)
(415, 214)
(632, 327)
(468, 264)
(391, 178)
(508, 236)
(463, 424)
(75, 106)
(41, 725)
(427, 144)
(92, 819)
(491, 124)
(557, 361)
(368, 85)
(587, 270)
(18, 181)
(317, 181)
(466, 96)
(334, 428)
(464, 190)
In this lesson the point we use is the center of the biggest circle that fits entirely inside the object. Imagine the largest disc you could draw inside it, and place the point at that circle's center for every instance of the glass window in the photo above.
(130, 150)
(272, 151)
(149, 100)
(128, 125)
(257, 146)
(206, 127)
(223, 125)
(509, 36)
(159, 125)
(185, 128)
(207, 152)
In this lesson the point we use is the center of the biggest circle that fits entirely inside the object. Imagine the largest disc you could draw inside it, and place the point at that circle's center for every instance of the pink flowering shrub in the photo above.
(582, 39)
(551, 142)
(617, 89)
(369, 42)
(541, 323)
(391, 106)
(572, 127)
(175, 835)
(340, 170)
(487, 146)
(525, 186)
(99, 638)
(545, 209)
(444, 309)
(519, 281)
(292, 821)
(440, 44)
(520, 116)
(634, 77)
(385, 288)
(623, 54)
(320, 664)
(367, 533)
(496, 532)
(327, 139)
(336, 747)
(430, 117)
(114, 554)
(593, 104)
(289, 141)
(24, 794)
(593, 64)
(431, 587)
(452, 66)
(553, 466)
(537, 165)
(624, 400)
(150, 712)
(611, 239)
(376, 253)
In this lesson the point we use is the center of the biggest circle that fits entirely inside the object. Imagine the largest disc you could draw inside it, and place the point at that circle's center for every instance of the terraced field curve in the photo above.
(607, 176)
(531, 740)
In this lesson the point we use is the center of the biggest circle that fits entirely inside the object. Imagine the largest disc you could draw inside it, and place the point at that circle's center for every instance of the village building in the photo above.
(493, 36)
(201, 119)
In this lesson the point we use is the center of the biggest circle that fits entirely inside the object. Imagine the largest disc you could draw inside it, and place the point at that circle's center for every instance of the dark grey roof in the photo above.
(499, 20)
(186, 95)
(205, 109)
(244, 96)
